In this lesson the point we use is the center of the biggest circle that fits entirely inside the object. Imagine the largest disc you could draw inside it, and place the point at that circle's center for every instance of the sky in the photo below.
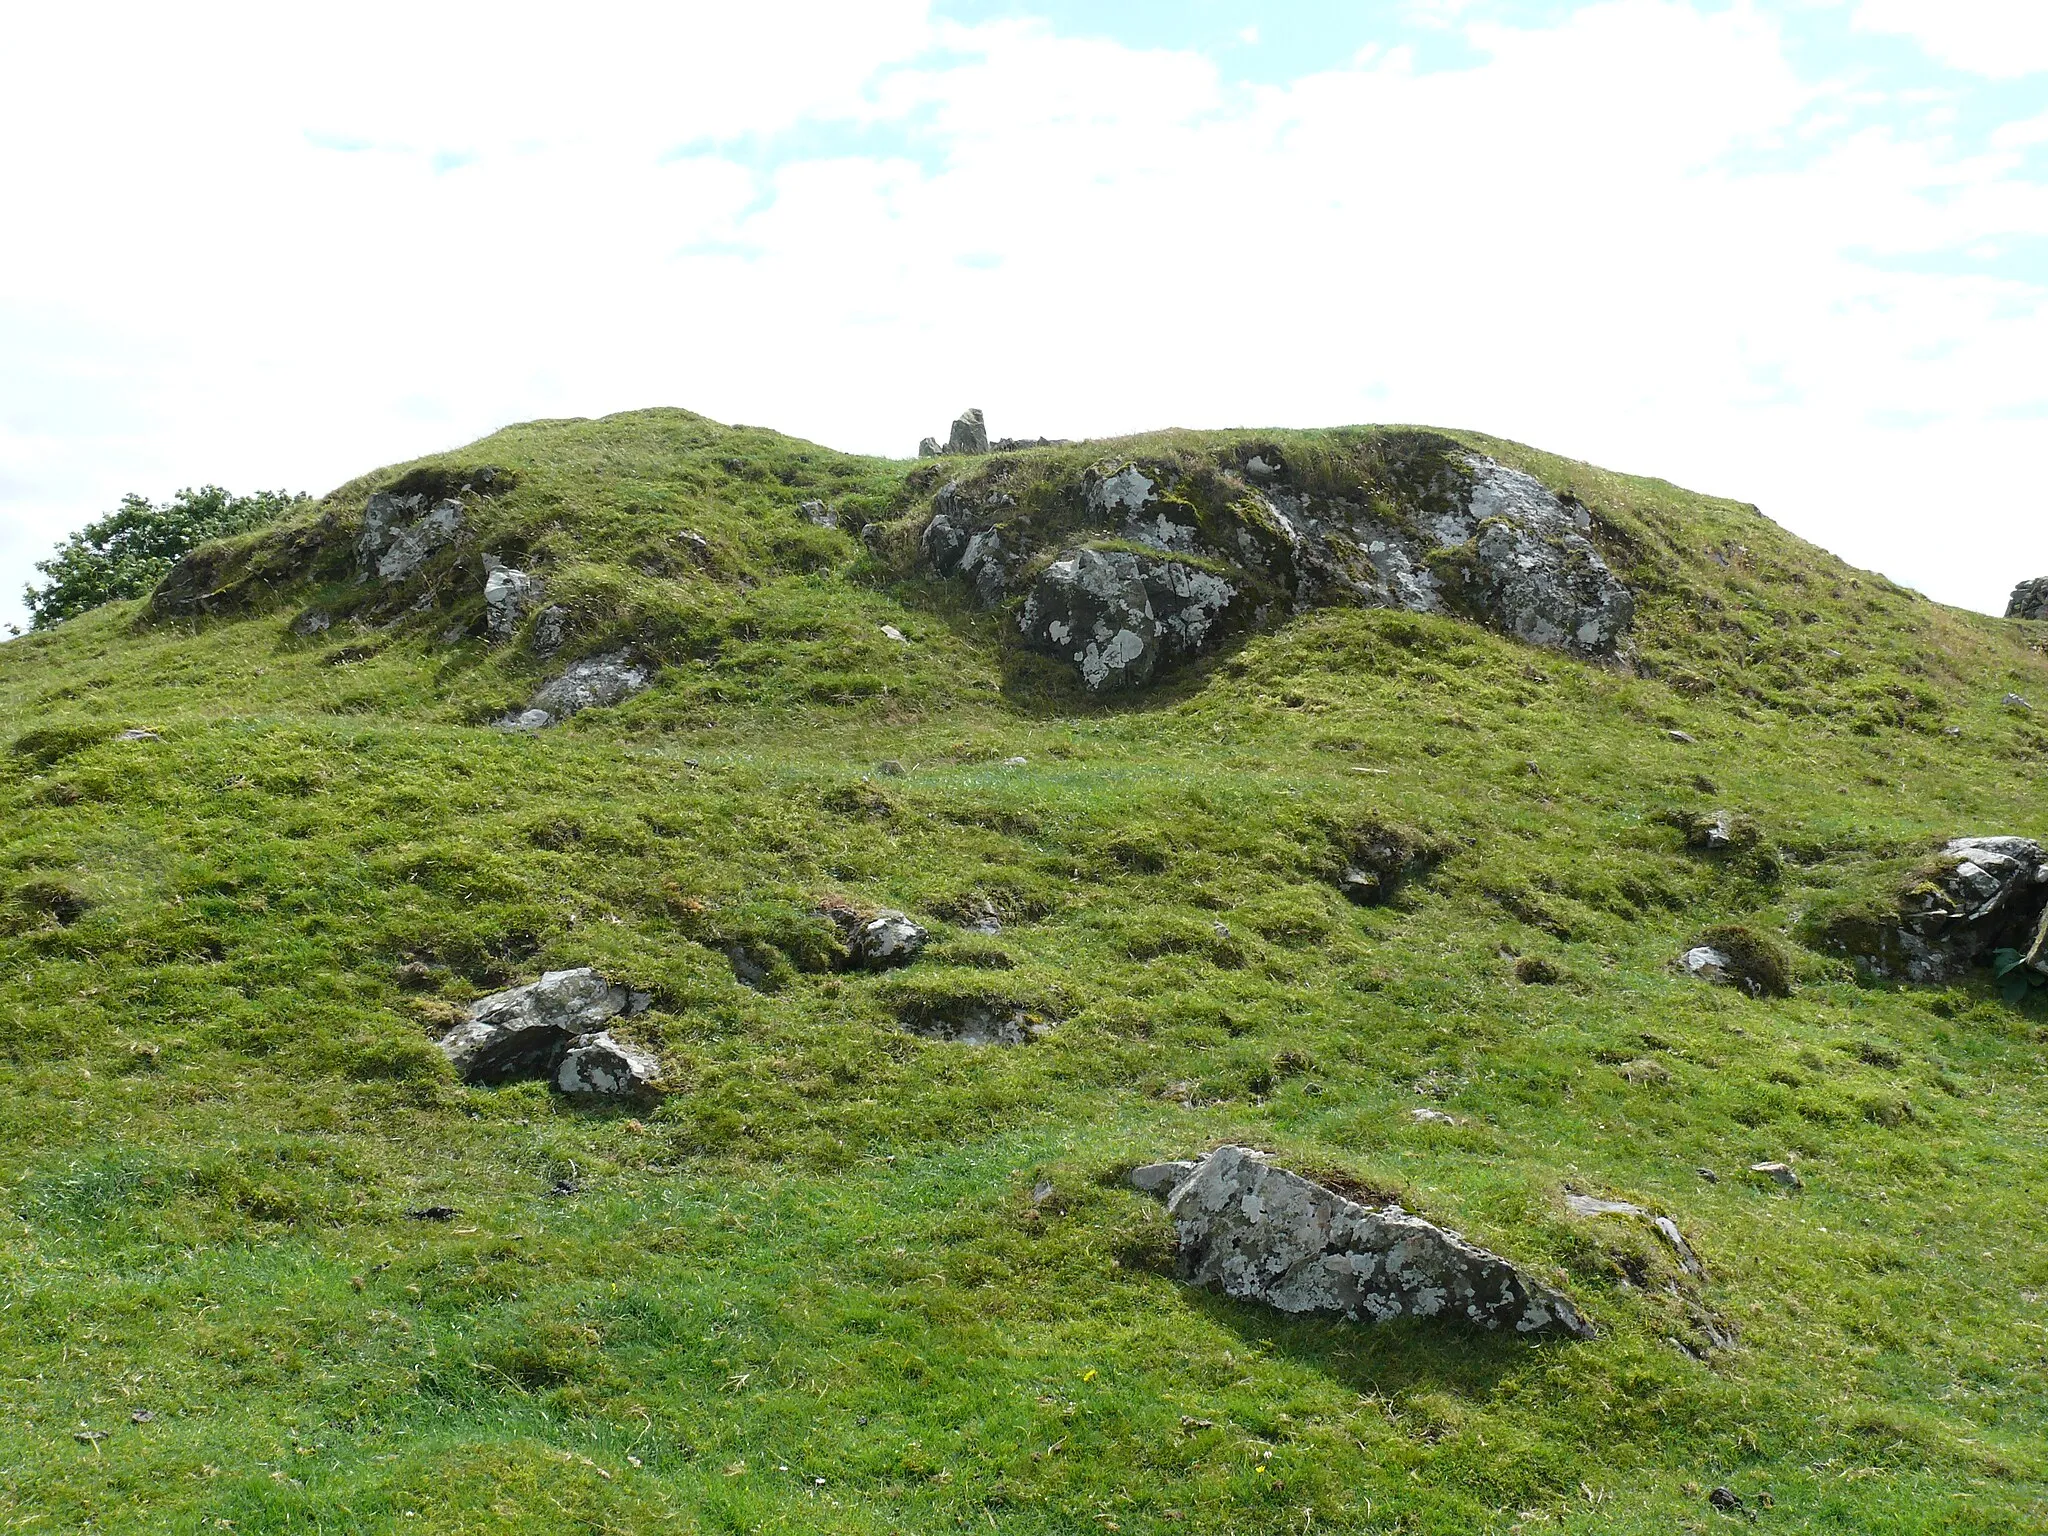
(1789, 251)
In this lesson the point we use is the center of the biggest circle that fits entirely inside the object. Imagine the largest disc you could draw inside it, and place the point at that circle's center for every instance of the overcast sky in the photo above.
(1792, 251)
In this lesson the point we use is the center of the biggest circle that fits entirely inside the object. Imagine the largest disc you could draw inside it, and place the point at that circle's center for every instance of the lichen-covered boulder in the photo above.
(597, 1066)
(969, 433)
(593, 683)
(1261, 1233)
(2029, 600)
(523, 1032)
(400, 532)
(885, 940)
(509, 595)
(1118, 616)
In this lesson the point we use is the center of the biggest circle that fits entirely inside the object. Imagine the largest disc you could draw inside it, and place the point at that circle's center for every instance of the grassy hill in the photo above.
(810, 1287)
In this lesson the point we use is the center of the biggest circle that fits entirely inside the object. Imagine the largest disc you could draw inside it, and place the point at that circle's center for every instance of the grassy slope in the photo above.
(809, 1291)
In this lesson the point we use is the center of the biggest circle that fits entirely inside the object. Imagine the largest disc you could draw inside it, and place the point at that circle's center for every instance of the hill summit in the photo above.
(647, 972)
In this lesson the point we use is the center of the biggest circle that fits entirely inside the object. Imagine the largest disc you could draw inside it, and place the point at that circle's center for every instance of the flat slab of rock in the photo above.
(1160, 1180)
(1261, 1233)
(523, 1031)
(597, 1066)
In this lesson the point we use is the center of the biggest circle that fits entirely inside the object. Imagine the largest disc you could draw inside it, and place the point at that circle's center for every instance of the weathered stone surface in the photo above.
(817, 514)
(1982, 894)
(509, 595)
(887, 939)
(592, 683)
(314, 621)
(1119, 616)
(1439, 530)
(522, 1032)
(2019, 702)
(1590, 1205)
(400, 532)
(1710, 964)
(597, 1066)
(1779, 1173)
(977, 1024)
(969, 433)
(1263, 1234)
(1422, 1114)
(1159, 1180)
(2029, 600)
(1667, 1229)
(549, 631)
(928, 448)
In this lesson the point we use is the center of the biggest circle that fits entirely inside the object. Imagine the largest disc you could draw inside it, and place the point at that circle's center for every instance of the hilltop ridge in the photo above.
(937, 840)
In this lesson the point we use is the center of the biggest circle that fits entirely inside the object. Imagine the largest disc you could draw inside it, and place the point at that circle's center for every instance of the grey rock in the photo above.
(1779, 1173)
(136, 733)
(593, 683)
(817, 514)
(978, 1024)
(1041, 1192)
(1983, 894)
(928, 448)
(522, 1032)
(1366, 887)
(885, 940)
(1422, 1114)
(1260, 1233)
(509, 595)
(746, 970)
(1118, 616)
(549, 630)
(1687, 1260)
(1684, 738)
(400, 532)
(314, 621)
(699, 546)
(598, 1066)
(1016, 762)
(2018, 702)
(1159, 1180)
(942, 544)
(1018, 444)
(1716, 834)
(1710, 964)
(1589, 1205)
(890, 768)
(969, 433)
(2029, 600)
(891, 632)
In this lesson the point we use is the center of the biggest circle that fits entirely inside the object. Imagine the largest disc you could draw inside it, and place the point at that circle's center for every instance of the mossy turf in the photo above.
(810, 1288)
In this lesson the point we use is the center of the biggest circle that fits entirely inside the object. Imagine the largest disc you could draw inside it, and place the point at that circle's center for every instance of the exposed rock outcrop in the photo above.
(509, 595)
(524, 1031)
(1263, 1234)
(400, 532)
(593, 683)
(875, 941)
(1422, 524)
(1980, 896)
(1118, 617)
(2029, 600)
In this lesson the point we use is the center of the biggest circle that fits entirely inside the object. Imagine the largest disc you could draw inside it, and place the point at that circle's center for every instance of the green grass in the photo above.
(808, 1289)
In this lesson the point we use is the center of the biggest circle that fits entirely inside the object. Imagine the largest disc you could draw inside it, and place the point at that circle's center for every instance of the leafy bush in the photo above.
(127, 552)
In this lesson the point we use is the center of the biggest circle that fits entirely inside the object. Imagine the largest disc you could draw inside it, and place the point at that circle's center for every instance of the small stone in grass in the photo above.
(1779, 1172)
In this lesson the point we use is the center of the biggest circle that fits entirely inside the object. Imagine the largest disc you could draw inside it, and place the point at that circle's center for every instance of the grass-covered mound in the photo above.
(818, 1284)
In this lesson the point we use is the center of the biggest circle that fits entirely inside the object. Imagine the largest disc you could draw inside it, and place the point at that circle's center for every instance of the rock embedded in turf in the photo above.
(2029, 600)
(1261, 1233)
(594, 683)
(1779, 1173)
(509, 595)
(976, 1024)
(1118, 617)
(817, 514)
(1160, 1180)
(2017, 701)
(1710, 964)
(1422, 1114)
(524, 1031)
(1982, 895)
(885, 940)
(598, 1066)
(399, 533)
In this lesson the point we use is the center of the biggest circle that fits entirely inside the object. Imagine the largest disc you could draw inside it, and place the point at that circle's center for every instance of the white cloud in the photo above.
(2004, 39)
(1083, 238)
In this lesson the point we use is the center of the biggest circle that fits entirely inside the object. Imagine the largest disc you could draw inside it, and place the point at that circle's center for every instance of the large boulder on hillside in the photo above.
(524, 1031)
(1263, 1234)
(1428, 526)
(2029, 600)
(593, 683)
(1119, 616)
(399, 533)
(1981, 895)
